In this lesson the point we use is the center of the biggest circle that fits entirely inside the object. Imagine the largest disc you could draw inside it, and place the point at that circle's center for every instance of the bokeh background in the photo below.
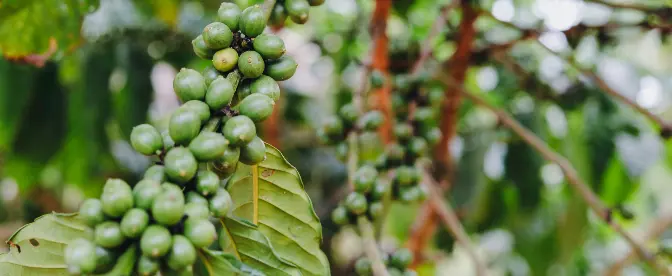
(78, 75)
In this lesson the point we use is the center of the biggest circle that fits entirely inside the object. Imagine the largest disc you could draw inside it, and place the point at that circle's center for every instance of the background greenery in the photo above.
(77, 75)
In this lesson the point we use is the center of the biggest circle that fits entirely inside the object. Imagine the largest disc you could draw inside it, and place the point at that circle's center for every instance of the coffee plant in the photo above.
(438, 150)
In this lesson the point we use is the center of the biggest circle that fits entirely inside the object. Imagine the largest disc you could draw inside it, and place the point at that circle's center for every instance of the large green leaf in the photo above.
(214, 263)
(255, 249)
(37, 248)
(285, 213)
(27, 27)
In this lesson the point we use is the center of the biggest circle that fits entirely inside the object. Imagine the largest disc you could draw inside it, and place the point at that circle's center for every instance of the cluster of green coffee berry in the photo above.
(156, 216)
(336, 128)
(397, 264)
(297, 10)
(366, 199)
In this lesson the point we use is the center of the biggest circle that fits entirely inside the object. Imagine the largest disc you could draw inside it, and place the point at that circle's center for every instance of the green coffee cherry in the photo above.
(217, 35)
(168, 207)
(433, 136)
(406, 176)
(251, 64)
(224, 239)
(342, 150)
(281, 69)
(168, 142)
(400, 106)
(189, 85)
(403, 131)
(356, 203)
(144, 193)
(155, 241)
(105, 260)
(340, 216)
(316, 2)
(155, 173)
(117, 198)
(401, 258)
(201, 232)
(364, 178)
(348, 113)
(220, 203)
(381, 162)
(183, 126)
(146, 139)
(170, 187)
(220, 93)
(239, 130)
(253, 152)
(333, 127)
(379, 190)
(225, 60)
(372, 120)
(226, 164)
(197, 210)
(147, 266)
(200, 108)
(297, 10)
(278, 16)
(91, 212)
(208, 146)
(134, 223)
(410, 194)
(200, 49)
(257, 107)
(266, 85)
(210, 74)
(182, 253)
(363, 267)
(395, 153)
(375, 209)
(377, 79)
(269, 46)
(108, 234)
(229, 13)
(80, 256)
(180, 165)
(417, 147)
(252, 21)
(207, 183)
(425, 116)
(187, 271)
(244, 89)
(194, 197)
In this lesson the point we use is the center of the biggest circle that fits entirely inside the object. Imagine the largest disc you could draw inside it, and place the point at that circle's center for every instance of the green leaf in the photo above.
(255, 249)
(285, 212)
(37, 248)
(28, 27)
(125, 263)
(215, 263)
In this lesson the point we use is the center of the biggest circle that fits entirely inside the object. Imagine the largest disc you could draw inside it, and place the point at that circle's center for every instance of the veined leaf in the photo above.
(254, 249)
(37, 248)
(284, 212)
(214, 263)
(27, 27)
(125, 263)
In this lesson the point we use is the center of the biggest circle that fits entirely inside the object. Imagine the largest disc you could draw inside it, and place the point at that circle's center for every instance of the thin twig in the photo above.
(570, 173)
(665, 126)
(370, 247)
(641, 8)
(658, 228)
(426, 50)
(451, 221)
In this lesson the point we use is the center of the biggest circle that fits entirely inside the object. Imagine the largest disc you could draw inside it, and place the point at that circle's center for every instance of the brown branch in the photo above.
(450, 220)
(658, 228)
(457, 67)
(381, 63)
(666, 128)
(370, 247)
(570, 173)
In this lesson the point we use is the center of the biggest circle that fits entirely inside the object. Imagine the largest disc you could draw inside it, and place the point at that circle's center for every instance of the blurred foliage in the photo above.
(65, 124)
